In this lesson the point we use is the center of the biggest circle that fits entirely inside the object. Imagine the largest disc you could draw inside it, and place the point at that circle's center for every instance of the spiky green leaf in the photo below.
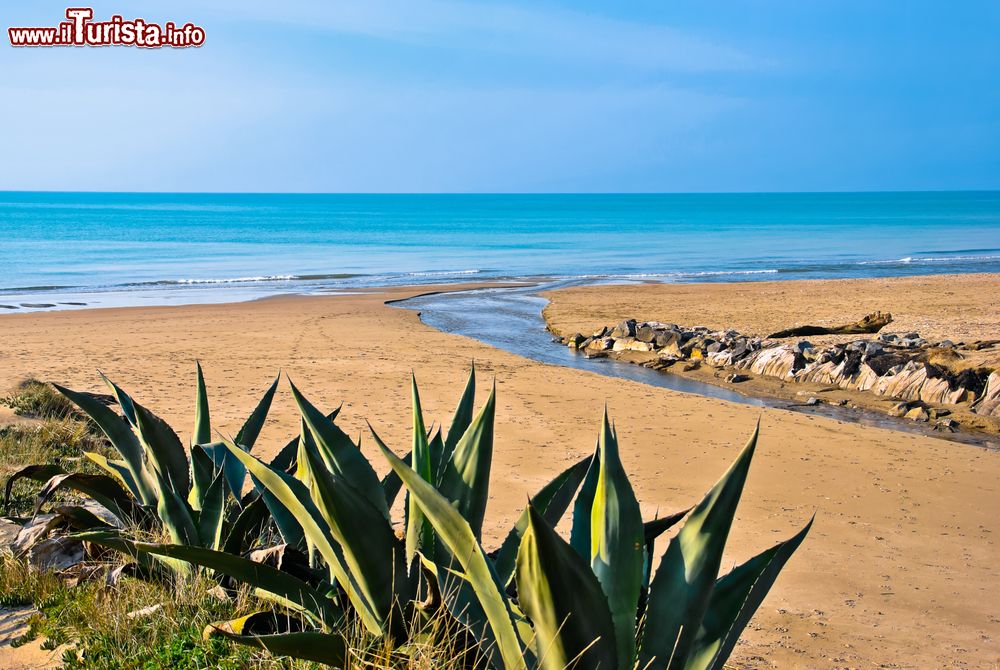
(263, 577)
(455, 533)
(119, 432)
(341, 455)
(682, 586)
(735, 598)
(202, 423)
(559, 592)
(466, 477)
(293, 496)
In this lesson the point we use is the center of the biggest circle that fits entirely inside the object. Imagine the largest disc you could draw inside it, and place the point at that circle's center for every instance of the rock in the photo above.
(988, 403)
(585, 343)
(917, 414)
(573, 341)
(625, 329)
(666, 338)
(715, 347)
(621, 344)
(946, 425)
(601, 344)
(802, 345)
(812, 401)
(873, 349)
(693, 365)
(888, 337)
(736, 378)
(631, 344)
(946, 344)
(899, 409)
(645, 333)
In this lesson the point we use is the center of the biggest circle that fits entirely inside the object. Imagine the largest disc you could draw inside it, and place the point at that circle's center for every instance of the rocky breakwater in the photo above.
(923, 378)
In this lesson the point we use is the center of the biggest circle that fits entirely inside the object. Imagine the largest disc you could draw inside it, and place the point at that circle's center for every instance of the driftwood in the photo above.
(867, 326)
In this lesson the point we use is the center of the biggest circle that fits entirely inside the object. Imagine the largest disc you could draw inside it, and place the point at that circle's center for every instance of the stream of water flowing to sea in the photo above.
(511, 319)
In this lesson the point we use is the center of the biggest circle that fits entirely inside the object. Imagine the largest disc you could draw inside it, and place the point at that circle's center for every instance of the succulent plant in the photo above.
(538, 600)
(194, 495)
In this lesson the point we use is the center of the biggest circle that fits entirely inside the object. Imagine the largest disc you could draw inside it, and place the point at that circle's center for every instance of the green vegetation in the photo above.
(38, 400)
(343, 588)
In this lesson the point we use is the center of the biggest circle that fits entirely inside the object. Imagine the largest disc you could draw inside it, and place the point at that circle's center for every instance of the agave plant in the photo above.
(157, 486)
(590, 602)
(537, 601)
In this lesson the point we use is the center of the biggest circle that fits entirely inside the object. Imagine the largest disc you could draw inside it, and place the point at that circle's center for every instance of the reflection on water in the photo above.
(511, 319)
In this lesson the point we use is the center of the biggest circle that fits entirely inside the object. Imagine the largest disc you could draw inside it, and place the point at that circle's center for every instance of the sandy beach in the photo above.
(900, 569)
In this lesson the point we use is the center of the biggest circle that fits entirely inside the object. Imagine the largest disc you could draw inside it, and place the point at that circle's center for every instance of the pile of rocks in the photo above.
(891, 365)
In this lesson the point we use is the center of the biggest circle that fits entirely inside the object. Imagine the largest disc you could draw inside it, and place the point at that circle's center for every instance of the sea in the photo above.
(77, 250)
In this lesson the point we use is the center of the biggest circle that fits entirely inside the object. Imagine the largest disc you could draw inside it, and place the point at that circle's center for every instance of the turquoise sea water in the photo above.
(106, 249)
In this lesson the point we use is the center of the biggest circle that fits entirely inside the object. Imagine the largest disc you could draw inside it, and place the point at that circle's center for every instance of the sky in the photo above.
(529, 96)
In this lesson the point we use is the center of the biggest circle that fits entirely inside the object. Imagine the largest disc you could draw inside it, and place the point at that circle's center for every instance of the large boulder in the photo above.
(989, 402)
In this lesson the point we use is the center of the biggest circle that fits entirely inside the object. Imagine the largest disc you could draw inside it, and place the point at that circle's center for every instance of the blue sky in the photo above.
(442, 96)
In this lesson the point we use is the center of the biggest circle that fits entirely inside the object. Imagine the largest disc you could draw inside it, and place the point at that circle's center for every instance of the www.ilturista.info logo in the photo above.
(81, 31)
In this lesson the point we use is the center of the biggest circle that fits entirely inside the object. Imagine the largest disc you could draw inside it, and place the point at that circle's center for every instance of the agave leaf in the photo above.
(391, 483)
(455, 533)
(114, 540)
(616, 542)
(122, 438)
(236, 472)
(124, 400)
(551, 502)
(80, 518)
(559, 592)
(289, 529)
(164, 450)
(658, 526)
(285, 459)
(203, 473)
(263, 577)
(117, 469)
(735, 598)
(177, 518)
(419, 535)
(326, 648)
(41, 472)
(652, 530)
(250, 431)
(579, 537)
(247, 527)
(466, 477)
(461, 420)
(202, 423)
(341, 456)
(212, 515)
(435, 445)
(682, 586)
(371, 551)
(103, 489)
(294, 497)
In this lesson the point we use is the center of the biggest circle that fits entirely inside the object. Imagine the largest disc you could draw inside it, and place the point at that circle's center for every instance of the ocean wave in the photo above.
(907, 260)
(675, 275)
(443, 273)
(239, 280)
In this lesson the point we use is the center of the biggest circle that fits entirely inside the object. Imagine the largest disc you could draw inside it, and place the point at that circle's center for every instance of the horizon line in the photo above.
(499, 193)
